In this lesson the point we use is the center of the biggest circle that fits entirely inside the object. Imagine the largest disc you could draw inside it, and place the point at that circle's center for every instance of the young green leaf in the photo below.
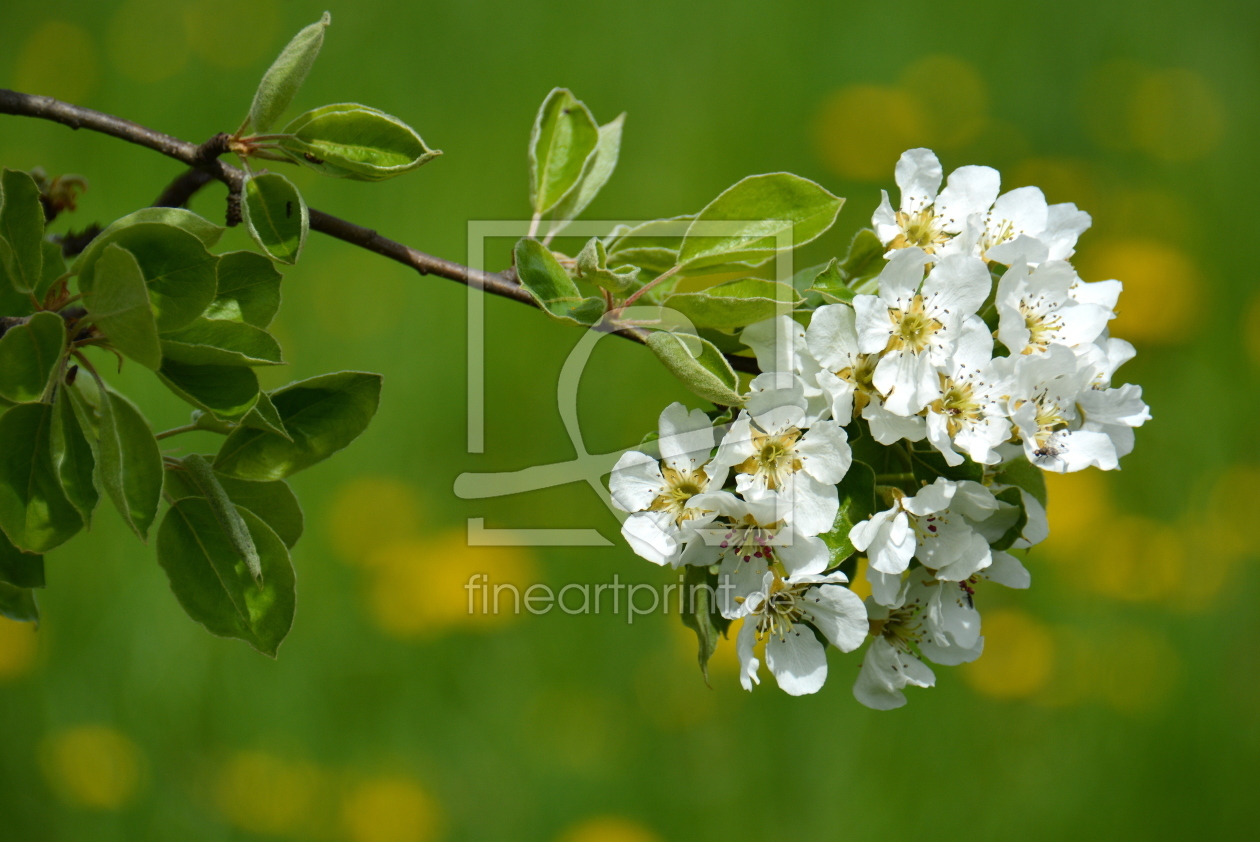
(213, 583)
(596, 171)
(699, 365)
(22, 226)
(864, 261)
(248, 289)
(264, 416)
(201, 228)
(179, 272)
(29, 354)
(203, 477)
(287, 73)
(592, 266)
(130, 462)
(735, 303)
(120, 307)
(1012, 497)
(54, 267)
(927, 465)
(701, 612)
(1025, 475)
(830, 284)
(652, 246)
(564, 136)
(274, 502)
(73, 456)
(743, 223)
(34, 511)
(857, 503)
(550, 285)
(348, 140)
(19, 569)
(18, 604)
(226, 391)
(276, 215)
(12, 302)
(220, 342)
(322, 415)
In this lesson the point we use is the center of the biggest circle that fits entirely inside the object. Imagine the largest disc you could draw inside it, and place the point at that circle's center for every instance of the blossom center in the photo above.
(782, 609)
(680, 487)
(958, 404)
(774, 459)
(913, 328)
(1041, 328)
(921, 228)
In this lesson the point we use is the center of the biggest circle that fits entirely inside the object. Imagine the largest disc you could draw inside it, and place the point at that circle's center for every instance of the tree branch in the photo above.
(203, 159)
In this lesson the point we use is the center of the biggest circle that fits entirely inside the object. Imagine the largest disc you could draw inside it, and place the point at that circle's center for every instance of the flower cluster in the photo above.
(893, 433)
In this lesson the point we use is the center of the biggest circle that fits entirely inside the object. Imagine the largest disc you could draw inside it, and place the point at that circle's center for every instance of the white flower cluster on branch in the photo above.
(899, 440)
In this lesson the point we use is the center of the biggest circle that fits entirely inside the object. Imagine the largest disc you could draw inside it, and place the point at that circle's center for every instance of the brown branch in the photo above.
(203, 158)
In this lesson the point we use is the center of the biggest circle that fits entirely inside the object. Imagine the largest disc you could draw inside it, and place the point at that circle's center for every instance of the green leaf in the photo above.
(349, 140)
(281, 81)
(248, 289)
(274, 502)
(592, 266)
(564, 136)
(227, 391)
(54, 267)
(203, 477)
(864, 261)
(19, 569)
(130, 462)
(1014, 498)
(549, 284)
(754, 211)
(596, 171)
(201, 228)
(829, 283)
(29, 354)
(857, 503)
(927, 465)
(213, 583)
(22, 226)
(264, 416)
(701, 613)
(120, 307)
(735, 303)
(12, 302)
(276, 216)
(652, 246)
(179, 272)
(699, 365)
(34, 511)
(1023, 474)
(220, 342)
(323, 415)
(18, 604)
(73, 456)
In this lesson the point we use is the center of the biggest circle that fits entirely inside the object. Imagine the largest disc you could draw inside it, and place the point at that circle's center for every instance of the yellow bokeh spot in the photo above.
(18, 643)
(1079, 503)
(608, 829)
(93, 766)
(1162, 288)
(1175, 115)
(58, 60)
(422, 587)
(1136, 558)
(1061, 179)
(146, 40)
(259, 793)
(1252, 329)
(953, 98)
(390, 809)
(217, 30)
(370, 512)
(863, 129)
(1142, 669)
(1171, 114)
(1019, 655)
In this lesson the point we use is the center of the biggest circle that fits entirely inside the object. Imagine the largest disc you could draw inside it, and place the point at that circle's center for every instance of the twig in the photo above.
(203, 158)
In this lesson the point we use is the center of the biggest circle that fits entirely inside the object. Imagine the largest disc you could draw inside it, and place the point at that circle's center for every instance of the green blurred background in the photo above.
(1117, 699)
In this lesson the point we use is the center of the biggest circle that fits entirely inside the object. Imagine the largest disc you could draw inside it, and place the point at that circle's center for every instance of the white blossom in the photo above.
(1036, 309)
(970, 413)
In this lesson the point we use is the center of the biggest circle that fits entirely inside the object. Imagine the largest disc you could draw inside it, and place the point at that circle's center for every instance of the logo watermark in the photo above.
(638, 598)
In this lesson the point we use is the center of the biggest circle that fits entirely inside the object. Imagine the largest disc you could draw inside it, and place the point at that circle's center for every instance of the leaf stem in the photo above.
(669, 273)
(175, 431)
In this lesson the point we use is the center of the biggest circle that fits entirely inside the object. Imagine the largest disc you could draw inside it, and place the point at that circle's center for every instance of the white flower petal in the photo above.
(798, 661)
